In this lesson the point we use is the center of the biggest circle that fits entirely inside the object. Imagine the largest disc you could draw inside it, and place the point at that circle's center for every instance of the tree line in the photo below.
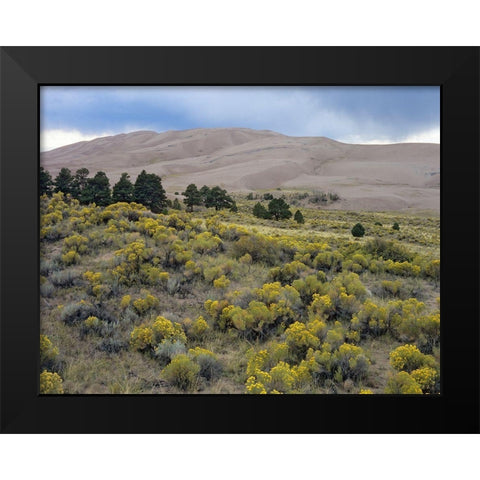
(147, 190)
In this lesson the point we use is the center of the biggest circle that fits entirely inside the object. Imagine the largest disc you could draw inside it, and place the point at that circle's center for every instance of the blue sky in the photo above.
(347, 114)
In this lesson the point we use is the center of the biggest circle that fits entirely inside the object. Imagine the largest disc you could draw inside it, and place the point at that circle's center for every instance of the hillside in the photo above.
(367, 177)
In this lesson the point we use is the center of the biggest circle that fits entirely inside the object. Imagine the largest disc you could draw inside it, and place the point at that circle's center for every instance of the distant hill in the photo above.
(367, 177)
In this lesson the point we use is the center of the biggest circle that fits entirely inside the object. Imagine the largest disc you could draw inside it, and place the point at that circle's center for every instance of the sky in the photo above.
(348, 114)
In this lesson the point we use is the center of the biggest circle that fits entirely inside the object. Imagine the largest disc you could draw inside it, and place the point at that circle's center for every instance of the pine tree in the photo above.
(97, 190)
(219, 199)
(299, 217)
(79, 182)
(148, 191)
(358, 230)
(176, 204)
(123, 189)
(64, 181)
(204, 191)
(260, 211)
(45, 182)
(192, 196)
(279, 209)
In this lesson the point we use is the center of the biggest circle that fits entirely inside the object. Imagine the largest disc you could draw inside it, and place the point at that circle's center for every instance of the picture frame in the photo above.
(25, 69)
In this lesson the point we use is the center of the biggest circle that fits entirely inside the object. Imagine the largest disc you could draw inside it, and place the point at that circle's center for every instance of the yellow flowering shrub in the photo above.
(426, 378)
(141, 338)
(77, 243)
(365, 391)
(403, 383)
(199, 328)
(182, 372)
(50, 383)
(408, 358)
(164, 329)
(321, 306)
(70, 257)
(48, 352)
(125, 302)
(282, 377)
(299, 339)
(255, 388)
(221, 283)
(143, 305)
(92, 323)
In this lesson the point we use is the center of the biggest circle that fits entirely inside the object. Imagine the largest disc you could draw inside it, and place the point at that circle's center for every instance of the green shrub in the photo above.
(182, 372)
(403, 383)
(358, 230)
(167, 349)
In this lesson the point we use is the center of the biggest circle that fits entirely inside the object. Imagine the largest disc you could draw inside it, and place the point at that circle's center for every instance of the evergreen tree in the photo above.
(204, 192)
(148, 191)
(260, 211)
(97, 190)
(358, 230)
(299, 217)
(219, 199)
(79, 182)
(192, 196)
(123, 189)
(176, 204)
(64, 181)
(279, 209)
(45, 182)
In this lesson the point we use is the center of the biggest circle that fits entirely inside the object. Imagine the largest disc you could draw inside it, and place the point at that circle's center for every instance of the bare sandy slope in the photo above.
(367, 177)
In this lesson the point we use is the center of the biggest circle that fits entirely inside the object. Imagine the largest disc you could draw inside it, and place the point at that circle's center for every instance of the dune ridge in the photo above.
(367, 177)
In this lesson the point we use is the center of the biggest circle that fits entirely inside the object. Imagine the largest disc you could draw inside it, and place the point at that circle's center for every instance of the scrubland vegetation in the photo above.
(192, 299)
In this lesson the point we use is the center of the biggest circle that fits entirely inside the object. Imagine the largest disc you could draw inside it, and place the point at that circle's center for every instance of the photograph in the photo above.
(239, 239)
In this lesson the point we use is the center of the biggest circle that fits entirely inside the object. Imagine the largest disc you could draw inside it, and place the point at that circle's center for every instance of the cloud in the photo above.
(349, 114)
(50, 139)
(427, 136)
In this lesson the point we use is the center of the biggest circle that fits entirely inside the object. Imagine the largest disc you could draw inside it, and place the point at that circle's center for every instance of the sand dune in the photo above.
(367, 177)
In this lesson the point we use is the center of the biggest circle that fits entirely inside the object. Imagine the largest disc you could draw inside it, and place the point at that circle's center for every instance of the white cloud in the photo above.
(428, 136)
(55, 138)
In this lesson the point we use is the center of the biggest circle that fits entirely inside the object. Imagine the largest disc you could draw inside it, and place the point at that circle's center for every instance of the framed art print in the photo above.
(218, 239)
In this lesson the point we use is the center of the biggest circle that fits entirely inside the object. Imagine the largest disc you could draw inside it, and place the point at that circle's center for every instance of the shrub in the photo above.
(299, 339)
(48, 352)
(328, 261)
(64, 278)
(409, 358)
(298, 217)
(164, 329)
(182, 372)
(402, 383)
(143, 305)
(70, 257)
(50, 383)
(351, 361)
(388, 250)
(221, 283)
(282, 378)
(396, 226)
(141, 338)
(199, 328)
(426, 378)
(358, 230)
(76, 312)
(255, 388)
(167, 349)
(210, 367)
(365, 391)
